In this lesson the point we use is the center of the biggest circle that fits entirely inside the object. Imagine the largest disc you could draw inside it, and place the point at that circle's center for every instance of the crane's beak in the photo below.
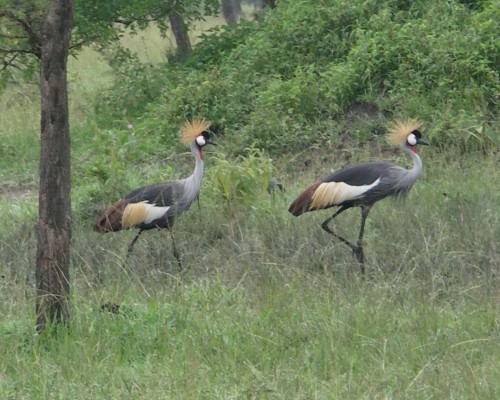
(209, 141)
(420, 141)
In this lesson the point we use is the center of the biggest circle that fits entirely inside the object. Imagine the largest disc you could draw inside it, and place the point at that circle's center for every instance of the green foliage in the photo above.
(217, 43)
(136, 85)
(275, 83)
(240, 182)
(103, 22)
(20, 39)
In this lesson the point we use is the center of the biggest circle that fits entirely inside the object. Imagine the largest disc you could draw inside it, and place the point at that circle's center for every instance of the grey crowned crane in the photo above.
(364, 184)
(158, 206)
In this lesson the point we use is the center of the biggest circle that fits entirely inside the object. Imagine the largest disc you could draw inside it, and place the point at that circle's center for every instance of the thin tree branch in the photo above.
(18, 51)
(12, 37)
(33, 38)
(9, 63)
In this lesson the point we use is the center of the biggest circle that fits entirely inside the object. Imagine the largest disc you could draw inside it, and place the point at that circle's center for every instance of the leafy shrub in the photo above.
(135, 86)
(218, 42)
(241, 181)
(275, 84)
(439, 67)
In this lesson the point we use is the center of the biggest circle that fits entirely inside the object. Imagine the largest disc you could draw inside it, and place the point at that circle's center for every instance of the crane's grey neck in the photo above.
(188, 188)
(194, 180)
(413, 173)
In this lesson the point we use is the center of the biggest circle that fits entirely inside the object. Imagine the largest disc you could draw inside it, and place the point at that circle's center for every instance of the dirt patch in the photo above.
(22, 194)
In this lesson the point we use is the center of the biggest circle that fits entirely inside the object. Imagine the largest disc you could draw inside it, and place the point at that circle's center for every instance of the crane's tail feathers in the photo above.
(303, 202)
(111, 220)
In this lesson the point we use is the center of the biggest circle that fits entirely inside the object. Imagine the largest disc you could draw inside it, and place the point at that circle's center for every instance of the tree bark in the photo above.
(54, 219)
(269, 3)
(231, 11)
(180, 31)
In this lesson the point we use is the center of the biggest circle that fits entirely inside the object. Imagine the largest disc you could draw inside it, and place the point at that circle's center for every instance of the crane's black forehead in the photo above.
(417, 133)
(206, 134)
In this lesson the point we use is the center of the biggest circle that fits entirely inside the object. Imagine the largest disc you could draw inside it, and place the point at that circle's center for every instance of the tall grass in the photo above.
(292, 335)
(267, 306)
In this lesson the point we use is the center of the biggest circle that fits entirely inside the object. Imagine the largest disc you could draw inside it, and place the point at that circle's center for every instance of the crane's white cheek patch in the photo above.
(142, 212)
(201, 140)
(412, 139)
(333, 193)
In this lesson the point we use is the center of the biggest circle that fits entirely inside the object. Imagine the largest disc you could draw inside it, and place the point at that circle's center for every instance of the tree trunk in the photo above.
(231, 11)
(54, 210)
(269, 3)
(180, 30)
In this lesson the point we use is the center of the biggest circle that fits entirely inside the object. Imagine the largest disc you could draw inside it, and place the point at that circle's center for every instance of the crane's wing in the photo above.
(146, 207)
(363, 183)
(359, 175)
(367, 183)
(163, 194)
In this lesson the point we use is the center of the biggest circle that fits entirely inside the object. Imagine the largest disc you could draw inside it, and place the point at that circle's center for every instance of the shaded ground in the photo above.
(15, 193)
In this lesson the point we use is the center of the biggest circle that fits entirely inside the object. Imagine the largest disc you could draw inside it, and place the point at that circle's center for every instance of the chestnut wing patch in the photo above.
(301, 203)
(110, 221)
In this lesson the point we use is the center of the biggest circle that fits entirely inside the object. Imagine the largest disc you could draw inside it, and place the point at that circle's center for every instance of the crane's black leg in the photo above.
(131, 245)
(198, 201)
(325, 226)
(358, 250)
(174, 249)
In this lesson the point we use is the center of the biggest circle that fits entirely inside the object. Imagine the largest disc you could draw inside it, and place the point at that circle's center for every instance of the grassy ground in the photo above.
(276, 333)
(266, 305)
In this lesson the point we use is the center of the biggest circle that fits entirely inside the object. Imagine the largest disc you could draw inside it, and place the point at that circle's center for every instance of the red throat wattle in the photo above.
(199, 153)
(412, 149)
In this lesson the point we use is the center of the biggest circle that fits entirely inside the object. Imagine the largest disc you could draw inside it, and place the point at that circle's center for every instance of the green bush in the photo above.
(242, 181)
(218, 42)
(135, 86)
(275, 83)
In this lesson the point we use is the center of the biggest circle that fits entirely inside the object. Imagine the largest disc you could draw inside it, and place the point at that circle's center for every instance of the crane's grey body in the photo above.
(363, 185)
(393, 180)
(158, 206)
(173, 197)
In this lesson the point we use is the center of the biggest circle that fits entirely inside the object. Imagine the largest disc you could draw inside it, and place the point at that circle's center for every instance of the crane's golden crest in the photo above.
(398, 132)
(191, 129)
